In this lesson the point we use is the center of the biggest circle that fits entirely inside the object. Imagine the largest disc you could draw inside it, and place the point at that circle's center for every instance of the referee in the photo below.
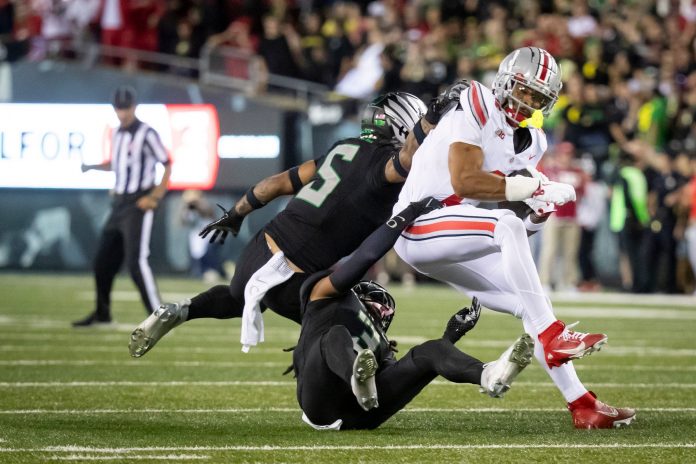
(135, 151)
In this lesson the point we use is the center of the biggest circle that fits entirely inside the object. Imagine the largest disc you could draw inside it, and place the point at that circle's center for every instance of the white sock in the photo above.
(564, 377)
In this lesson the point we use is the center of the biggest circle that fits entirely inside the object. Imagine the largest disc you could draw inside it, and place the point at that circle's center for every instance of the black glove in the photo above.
(412, 211)
(230, 222)
(445, 101)
(463, 321)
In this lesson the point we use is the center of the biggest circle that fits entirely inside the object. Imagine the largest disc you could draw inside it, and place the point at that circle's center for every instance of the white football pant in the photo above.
(485, 253)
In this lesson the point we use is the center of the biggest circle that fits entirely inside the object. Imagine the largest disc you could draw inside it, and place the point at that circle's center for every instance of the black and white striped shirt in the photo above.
(135, 151)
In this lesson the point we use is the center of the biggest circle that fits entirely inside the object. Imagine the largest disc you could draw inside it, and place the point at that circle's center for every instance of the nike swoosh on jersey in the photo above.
(578, 349)
(612, 413)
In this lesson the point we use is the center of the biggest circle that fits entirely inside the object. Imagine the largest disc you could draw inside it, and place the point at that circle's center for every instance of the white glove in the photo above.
(540, 207)
(536, 174)
(555, 192)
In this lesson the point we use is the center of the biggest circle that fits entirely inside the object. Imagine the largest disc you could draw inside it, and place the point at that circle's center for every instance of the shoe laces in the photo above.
(569, 335)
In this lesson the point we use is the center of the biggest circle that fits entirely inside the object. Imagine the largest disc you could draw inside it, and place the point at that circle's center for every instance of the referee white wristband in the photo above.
(519, 188)
(532, 226)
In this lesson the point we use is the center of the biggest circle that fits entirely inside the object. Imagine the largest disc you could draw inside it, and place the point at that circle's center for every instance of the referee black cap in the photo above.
(124, 97)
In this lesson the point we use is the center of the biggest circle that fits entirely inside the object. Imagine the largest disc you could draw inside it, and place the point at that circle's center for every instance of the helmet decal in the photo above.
(547, 67)
(391, 116)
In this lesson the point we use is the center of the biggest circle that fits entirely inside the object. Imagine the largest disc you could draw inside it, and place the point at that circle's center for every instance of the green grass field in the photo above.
(76, 395)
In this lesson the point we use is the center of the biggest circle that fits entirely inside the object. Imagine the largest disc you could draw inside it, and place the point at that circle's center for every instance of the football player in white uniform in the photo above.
(485, 253)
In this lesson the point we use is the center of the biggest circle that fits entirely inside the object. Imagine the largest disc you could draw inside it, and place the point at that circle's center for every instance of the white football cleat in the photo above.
(363, 379)
(156, 326)
(499, 374)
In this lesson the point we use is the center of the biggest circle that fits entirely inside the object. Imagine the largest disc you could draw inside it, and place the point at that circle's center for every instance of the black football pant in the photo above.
(631, 243)
(125, 237)
(227, 301)
(325, 394)
(660, 251)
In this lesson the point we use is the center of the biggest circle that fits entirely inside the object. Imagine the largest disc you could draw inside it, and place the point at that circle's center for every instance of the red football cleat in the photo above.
(590, 413)
(562, 344)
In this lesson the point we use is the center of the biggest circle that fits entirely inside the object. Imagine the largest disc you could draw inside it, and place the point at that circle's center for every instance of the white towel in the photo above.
(274, 272)
(335, 426)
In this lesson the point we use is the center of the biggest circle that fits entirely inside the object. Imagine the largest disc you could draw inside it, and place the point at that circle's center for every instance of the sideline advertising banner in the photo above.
(43, 145)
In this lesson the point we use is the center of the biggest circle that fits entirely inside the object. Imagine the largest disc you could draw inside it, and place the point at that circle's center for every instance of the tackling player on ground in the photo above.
(485, 253)
(344, 355)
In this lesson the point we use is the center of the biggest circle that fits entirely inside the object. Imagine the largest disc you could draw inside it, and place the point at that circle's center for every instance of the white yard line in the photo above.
(624, 298)
(297, 411)
(82, 348)
(594, 312)
(121, 335)
(507, 410)
(147, 411)
(223, 383)
(664, 302)
(646, 351)
(120, 332)
(132, 296)
(609, 350)
(32, 323)
(274, 383)
(625, 367)
(580, 312)
(267, 448)
(581, 298)
(116, 457)
(139, 363)
(273, 365)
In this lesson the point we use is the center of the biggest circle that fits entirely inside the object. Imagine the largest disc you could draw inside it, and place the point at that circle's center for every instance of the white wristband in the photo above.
(519, 188)
(532, 226)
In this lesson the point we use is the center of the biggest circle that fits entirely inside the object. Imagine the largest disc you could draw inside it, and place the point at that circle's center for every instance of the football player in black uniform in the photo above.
(347, 375)
(340, 199)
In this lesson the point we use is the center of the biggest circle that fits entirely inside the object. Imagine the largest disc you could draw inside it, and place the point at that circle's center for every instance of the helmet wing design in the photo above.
(391, 116)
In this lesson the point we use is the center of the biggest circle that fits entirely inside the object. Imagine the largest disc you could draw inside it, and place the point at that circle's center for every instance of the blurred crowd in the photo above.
(623, 130)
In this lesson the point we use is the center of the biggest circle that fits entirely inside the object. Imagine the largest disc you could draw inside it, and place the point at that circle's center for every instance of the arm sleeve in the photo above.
(370, 251)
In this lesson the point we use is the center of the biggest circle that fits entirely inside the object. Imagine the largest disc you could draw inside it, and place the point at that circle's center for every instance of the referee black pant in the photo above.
(126, 236)
(325, 394)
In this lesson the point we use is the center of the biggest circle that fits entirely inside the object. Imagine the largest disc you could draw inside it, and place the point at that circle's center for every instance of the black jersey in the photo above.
(346, 310)
(348, 198)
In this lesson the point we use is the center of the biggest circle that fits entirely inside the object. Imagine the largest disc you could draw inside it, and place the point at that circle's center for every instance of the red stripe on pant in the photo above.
(450, 226)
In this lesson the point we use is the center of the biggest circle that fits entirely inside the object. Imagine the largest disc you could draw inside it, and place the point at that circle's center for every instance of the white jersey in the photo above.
(476, 120)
